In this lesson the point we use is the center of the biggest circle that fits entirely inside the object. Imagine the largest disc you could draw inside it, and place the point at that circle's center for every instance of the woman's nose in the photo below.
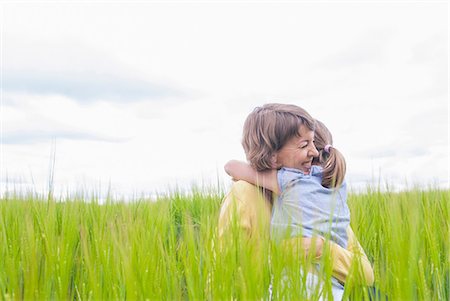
(314, 152)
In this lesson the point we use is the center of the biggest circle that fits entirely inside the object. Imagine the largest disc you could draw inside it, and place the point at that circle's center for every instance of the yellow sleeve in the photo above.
(342, 260)
(252, 211)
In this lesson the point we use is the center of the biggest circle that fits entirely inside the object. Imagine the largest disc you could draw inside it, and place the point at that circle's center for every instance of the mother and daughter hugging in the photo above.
(292, 155)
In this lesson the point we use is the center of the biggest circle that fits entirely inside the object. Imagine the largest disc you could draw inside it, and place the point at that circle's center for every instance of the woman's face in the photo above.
(298, 152)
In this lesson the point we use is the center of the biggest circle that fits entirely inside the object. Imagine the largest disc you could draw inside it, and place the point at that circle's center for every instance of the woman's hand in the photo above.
(305, 245)
(313, 244)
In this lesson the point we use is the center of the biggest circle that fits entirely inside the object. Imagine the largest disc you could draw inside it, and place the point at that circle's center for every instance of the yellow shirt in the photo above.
(253, 212)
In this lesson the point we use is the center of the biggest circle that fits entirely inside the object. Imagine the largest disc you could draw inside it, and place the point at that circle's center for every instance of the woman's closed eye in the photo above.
(305, 144)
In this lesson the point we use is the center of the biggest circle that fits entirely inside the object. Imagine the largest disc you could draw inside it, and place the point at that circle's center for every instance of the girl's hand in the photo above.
(237, 169)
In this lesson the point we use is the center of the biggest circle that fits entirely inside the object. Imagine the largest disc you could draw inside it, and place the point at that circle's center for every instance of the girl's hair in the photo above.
(268, 128)
(333, 161)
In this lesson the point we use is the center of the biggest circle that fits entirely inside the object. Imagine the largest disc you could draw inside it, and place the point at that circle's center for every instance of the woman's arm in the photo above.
(239, 170)
(343, 259)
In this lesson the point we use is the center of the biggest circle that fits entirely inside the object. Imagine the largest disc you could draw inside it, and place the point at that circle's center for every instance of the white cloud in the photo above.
(375, 74)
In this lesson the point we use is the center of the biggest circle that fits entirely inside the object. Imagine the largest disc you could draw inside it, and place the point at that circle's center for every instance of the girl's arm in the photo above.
(239, 170)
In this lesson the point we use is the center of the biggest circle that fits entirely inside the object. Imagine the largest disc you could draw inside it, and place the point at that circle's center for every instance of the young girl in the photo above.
(309, 181)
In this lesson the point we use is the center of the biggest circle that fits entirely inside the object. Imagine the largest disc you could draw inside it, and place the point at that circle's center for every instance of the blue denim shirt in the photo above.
(306, 208)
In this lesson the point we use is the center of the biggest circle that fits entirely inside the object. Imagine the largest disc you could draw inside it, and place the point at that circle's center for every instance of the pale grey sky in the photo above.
(147, 96)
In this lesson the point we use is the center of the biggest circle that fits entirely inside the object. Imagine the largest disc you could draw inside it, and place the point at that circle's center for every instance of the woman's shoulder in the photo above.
(243, 188)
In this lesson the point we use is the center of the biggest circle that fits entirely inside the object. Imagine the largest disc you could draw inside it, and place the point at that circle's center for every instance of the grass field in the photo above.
(168, 249)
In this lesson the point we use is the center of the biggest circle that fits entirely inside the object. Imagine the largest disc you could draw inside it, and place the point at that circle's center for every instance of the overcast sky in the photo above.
(147, 96)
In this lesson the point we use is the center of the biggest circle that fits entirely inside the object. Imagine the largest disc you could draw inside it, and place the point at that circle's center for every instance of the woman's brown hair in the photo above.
(268, 128)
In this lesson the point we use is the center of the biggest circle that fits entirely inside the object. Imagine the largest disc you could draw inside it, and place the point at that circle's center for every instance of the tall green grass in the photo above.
(168, 250)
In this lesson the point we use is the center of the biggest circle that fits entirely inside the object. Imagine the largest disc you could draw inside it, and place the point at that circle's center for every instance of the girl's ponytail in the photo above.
(334, 167)
(331, 160)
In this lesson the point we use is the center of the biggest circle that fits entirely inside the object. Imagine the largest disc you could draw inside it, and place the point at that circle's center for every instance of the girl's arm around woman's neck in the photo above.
(239, 170)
